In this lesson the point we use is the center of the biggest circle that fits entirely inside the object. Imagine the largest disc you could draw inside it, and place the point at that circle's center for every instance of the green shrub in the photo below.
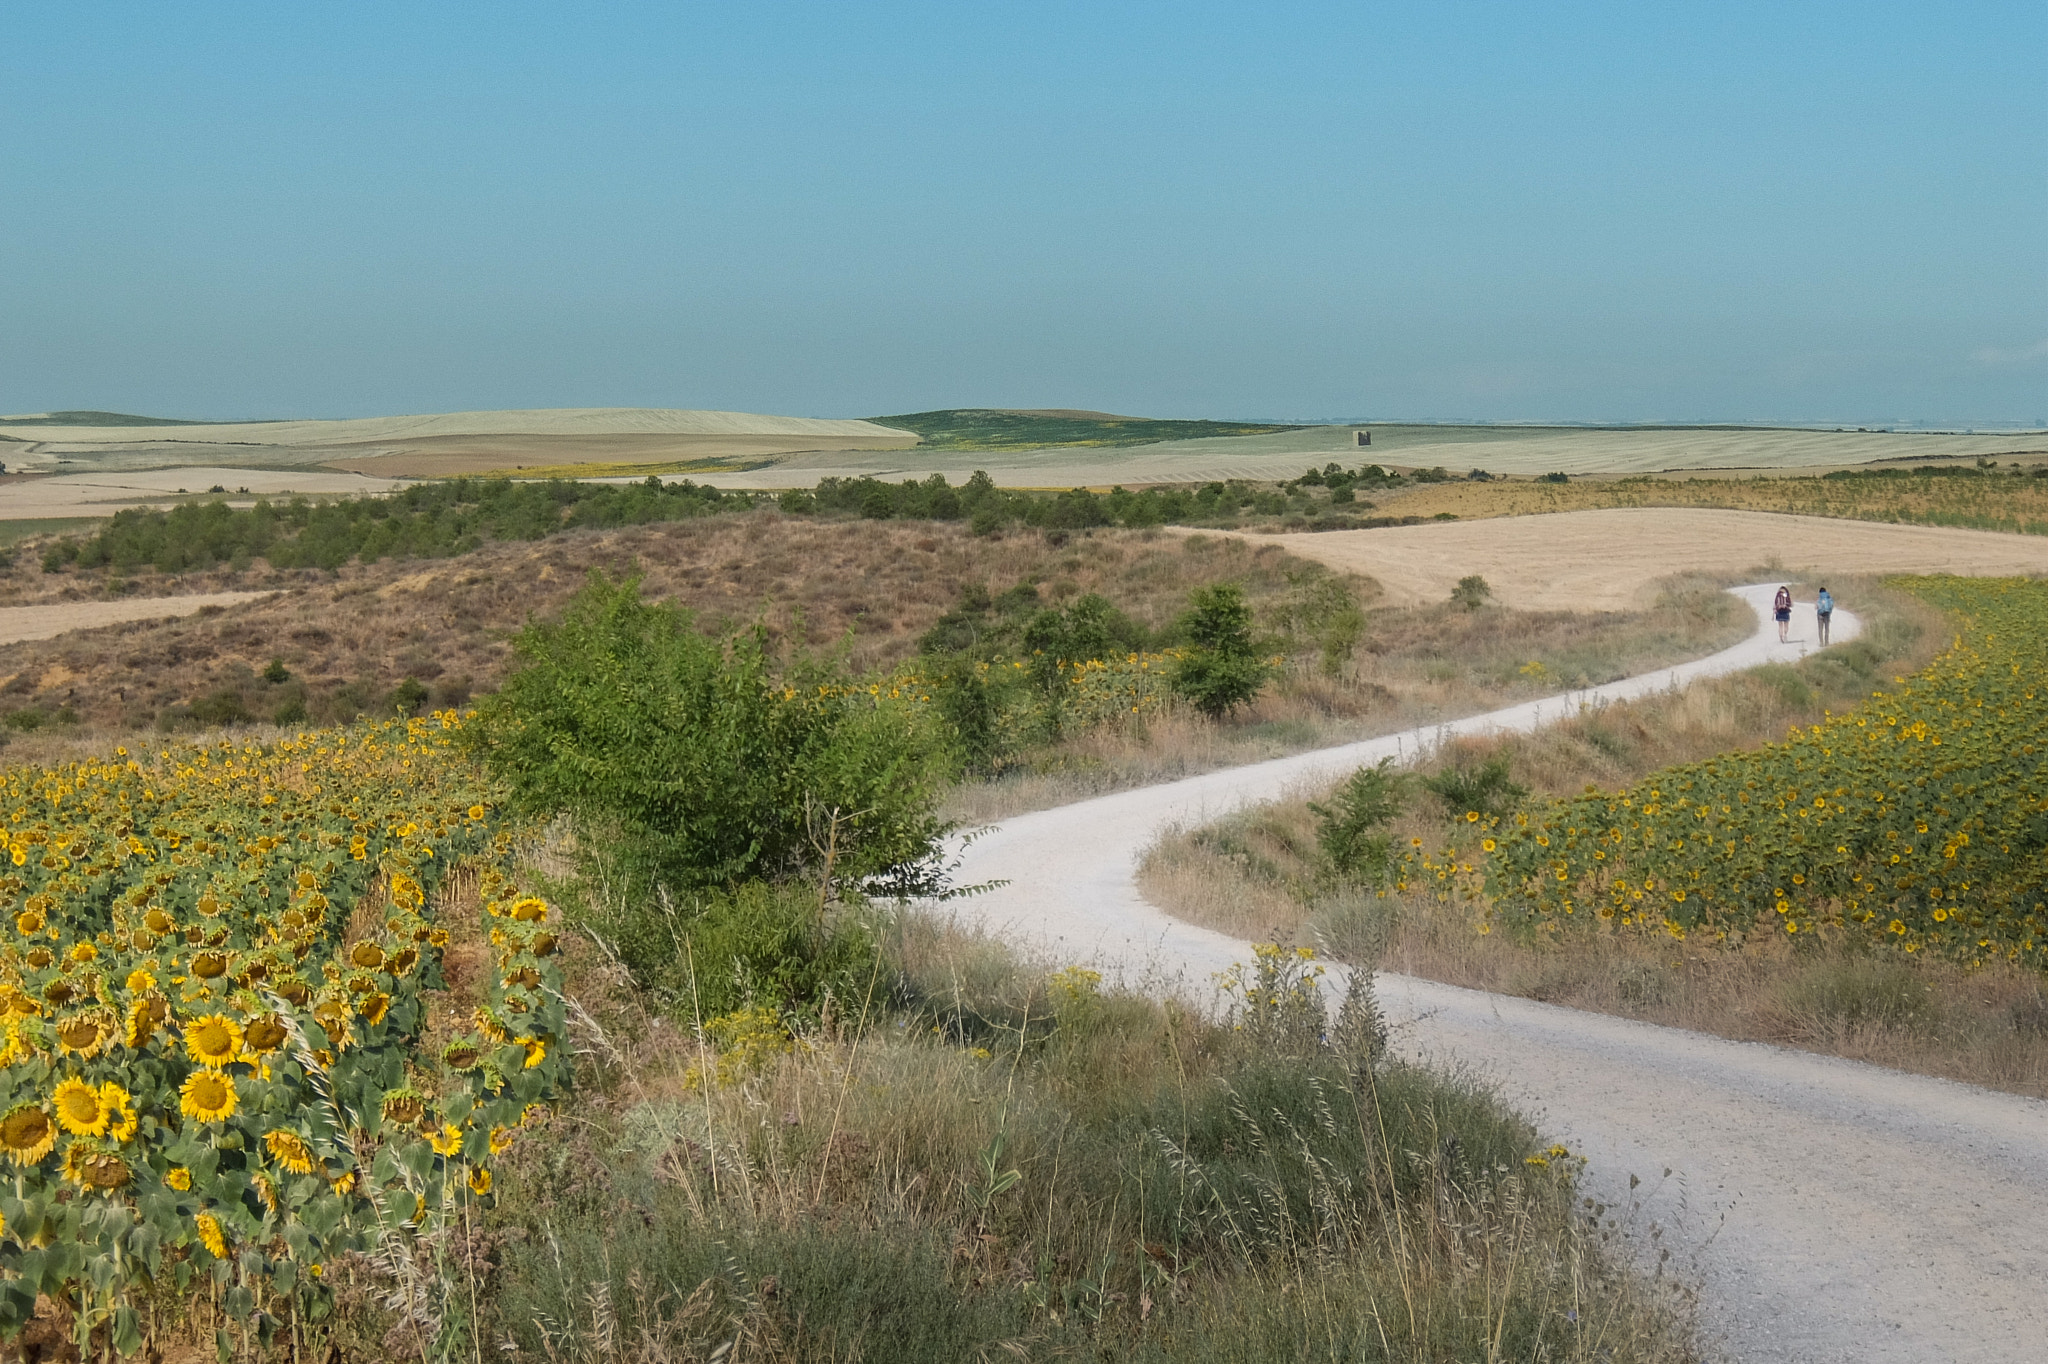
(1487, 788)
(704, 765)
(274, 672)
(1471, 592)
(1350, 830)
(1220, 668)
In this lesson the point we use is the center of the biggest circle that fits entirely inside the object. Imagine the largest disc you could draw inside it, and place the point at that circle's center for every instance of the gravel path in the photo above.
(1832, 1212)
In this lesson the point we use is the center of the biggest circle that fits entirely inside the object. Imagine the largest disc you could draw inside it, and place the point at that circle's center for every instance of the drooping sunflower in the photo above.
(266, 1189)
(208, 1096)
(210, 1235)
(86, 1033)
(501, 1139)
(264, 1035)
(92, 1165)
(79, 1108)
(289, 1150)
(27, 1134)
(212, 1041)
(536, 1050)
(479, 1181)
(404, 1106)
(374, 1006)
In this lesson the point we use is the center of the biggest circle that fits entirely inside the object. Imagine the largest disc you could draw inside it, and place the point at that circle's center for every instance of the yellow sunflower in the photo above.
(501, 1139)
(447, 1141)
(536, 1050)
(79, 1108)
(27, 1134)
(208, 1096)
(479, 1181)
(210, 1235)
(404, 1106)
(179, 1178)
(373, 1007)
(120, 1106)
(289, 1150)
(212, 1041)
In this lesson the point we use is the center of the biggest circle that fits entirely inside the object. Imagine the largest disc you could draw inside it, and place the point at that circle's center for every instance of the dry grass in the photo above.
(1257, 875)
(1004, 1165)
(2013, 502)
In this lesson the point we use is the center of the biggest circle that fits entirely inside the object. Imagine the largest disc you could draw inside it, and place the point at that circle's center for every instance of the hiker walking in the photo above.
(1782, 609)
(1823, 608)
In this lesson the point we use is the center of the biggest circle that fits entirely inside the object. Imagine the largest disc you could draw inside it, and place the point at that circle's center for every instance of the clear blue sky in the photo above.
(1777, 211)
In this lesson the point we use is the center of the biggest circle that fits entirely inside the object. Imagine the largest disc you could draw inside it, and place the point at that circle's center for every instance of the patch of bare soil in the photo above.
(1608, 560)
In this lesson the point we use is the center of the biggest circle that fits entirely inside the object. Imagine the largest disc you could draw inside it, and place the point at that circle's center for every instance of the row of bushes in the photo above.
(439, 520)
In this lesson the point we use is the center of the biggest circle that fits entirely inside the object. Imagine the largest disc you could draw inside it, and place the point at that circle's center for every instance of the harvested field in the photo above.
(19, 623)
(1606, 560)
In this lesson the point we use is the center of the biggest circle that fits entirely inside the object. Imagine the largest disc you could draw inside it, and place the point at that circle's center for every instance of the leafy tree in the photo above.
(1221, 668)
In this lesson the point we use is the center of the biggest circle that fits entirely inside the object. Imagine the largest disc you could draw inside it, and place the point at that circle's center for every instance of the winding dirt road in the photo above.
(1832, 1212)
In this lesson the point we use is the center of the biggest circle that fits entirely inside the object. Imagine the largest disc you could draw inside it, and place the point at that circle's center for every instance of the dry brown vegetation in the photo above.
(1257, 875)
(350, 638)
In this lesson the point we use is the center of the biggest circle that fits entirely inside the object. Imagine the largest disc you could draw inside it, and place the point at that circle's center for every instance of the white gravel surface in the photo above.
(1831, 1212)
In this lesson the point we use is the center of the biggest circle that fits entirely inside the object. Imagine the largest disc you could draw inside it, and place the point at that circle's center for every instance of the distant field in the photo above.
(2014, 502)
(974, 428)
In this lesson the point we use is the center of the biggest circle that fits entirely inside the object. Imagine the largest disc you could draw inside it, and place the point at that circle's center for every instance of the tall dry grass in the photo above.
(1012, 1164)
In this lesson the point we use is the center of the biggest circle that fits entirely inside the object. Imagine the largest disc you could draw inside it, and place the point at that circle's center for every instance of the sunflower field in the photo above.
(214, 1069)
(1921, 817)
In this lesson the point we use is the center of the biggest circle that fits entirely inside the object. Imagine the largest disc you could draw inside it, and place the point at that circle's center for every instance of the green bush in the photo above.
(701, 764)
(1350, 830)
(1220, 669)
(1471, 592)
(1487, 788)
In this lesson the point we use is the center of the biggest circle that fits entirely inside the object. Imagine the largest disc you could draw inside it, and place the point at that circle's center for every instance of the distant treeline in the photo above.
(439, 520)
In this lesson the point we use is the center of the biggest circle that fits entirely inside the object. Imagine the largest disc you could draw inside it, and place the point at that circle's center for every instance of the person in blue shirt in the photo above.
(1823, 610)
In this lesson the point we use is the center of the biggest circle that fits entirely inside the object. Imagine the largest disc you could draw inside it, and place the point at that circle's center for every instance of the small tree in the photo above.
(1221, 668)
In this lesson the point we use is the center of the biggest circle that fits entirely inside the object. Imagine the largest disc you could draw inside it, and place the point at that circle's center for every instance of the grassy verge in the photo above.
(1413, 666)
(1006, 1164)
(1257, 875)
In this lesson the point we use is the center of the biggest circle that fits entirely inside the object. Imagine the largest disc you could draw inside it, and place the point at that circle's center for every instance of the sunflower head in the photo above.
(212, 1041)
(210, 1235)
(479, 1181)
(79, 1108)
(92, 1165)
(367, 955)
(179, 1178)
(374, 1006)
(264, 1035)
(207, 1096)
(86, 1033)
(289, 1150)
(404, 1106)
(27, 1134)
